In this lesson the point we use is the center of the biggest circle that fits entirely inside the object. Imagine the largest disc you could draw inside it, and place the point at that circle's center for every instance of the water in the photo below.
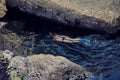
(94, 52)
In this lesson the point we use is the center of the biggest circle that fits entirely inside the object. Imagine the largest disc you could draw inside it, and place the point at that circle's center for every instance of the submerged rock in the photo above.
(101, 16)
(2, 8)
(46, 67)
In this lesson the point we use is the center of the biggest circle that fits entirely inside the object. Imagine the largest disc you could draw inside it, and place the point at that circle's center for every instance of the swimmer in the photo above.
(62, 38)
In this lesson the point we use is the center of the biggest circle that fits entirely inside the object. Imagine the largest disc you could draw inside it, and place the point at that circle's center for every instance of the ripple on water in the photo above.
(93, 52)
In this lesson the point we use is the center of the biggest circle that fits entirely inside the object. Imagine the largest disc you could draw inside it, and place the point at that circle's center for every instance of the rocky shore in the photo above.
(100, 16)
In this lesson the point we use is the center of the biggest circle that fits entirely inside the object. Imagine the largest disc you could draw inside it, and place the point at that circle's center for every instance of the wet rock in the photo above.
(46, 67)
(101, 16)
(2, 8)
(2, 25)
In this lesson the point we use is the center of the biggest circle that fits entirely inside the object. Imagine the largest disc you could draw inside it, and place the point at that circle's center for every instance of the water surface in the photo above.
(94, 52)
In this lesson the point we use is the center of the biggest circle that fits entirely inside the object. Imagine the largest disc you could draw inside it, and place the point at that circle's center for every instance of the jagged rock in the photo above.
(46, 67)
(2, 8)
(98, 15)
(5, 57)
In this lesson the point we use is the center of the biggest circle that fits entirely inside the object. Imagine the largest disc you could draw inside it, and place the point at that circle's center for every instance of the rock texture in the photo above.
(2, 25)
(4, 57)
(98, 15)
(46, 67)
(2, 8)
(9, 40)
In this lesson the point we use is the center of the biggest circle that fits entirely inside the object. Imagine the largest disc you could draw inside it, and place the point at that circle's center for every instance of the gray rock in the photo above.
(9, 40)
(3, 25)
(46, 67)
(2, 8)
(98, 15)
(5, 57)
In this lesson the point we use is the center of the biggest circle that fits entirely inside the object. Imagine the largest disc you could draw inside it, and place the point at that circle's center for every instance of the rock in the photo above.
(16, 26)
(9, 40)
(46, 67)
(6, 55)
(97, 15)
(2, 25)
(2, 8)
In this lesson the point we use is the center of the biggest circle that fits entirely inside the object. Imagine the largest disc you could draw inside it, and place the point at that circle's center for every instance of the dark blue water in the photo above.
(94, 52)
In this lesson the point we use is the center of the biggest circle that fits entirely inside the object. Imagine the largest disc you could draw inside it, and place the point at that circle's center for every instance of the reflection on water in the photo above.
(92, 52)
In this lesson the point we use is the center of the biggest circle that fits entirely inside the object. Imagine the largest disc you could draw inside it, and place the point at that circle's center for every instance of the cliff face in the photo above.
(98, 15)
(2, 8)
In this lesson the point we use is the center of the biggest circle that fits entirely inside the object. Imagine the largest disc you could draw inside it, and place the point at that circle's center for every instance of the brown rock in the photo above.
(2, 8)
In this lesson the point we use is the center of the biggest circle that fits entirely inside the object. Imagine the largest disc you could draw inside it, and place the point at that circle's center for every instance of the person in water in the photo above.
(67, 39)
